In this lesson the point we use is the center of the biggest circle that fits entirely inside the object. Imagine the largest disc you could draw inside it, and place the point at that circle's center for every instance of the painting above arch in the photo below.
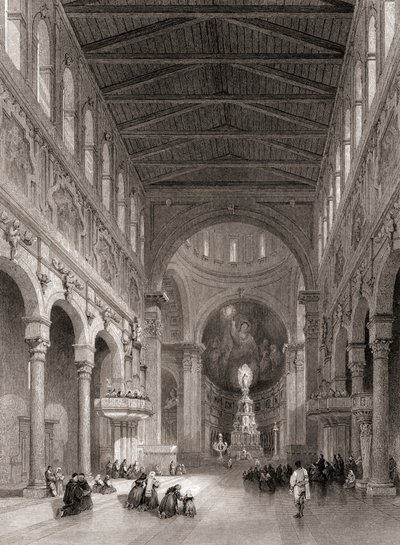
(243, 332)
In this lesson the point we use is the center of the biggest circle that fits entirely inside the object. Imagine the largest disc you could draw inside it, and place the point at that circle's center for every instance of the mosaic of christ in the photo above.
(241, 333)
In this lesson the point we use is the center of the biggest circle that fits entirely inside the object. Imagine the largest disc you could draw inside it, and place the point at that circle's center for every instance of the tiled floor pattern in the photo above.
(229, 513)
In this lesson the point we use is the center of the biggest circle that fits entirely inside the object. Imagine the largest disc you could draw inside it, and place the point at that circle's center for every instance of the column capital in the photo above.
(38, 347)
(311, 328)
(84, 352)
(156, 298)
(380, 326)
(187, 363)
(84, 369)
(153, 328)
(381, 348)
(356, 368)
(309, 296)
(365, 429)
(37, 327)
(193, 349)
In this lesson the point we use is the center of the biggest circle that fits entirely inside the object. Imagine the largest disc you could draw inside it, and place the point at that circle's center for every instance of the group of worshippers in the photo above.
(268, 477)
(137, 393)
(124, 471)
(282, 475)
(54, 481)
(345, 473)
(77, 496)
(143, 496)
(176, 469)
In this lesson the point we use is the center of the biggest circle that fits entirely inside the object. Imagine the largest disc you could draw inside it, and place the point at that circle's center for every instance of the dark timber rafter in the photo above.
(147, 78)
(156, 116)
(231, 163)
(158, 149)
(285, 134)
(86, 9)
(266, 27)
(284, 116)
(171, 175)
(292, 79)
(217, 99)
(139, 34)
(213, 58)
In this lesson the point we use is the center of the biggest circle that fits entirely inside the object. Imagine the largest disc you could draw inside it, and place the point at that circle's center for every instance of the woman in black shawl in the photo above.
(115, 470)
(136, 494)
(150, 494)
(169, 504)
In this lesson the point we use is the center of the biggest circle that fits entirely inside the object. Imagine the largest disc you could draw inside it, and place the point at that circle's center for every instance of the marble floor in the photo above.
(229, 513)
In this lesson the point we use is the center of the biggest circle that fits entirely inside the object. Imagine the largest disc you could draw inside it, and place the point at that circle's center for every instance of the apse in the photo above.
(243, 332)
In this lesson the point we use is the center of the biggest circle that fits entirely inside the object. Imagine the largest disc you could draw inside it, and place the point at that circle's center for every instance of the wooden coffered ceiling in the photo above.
(220, 94)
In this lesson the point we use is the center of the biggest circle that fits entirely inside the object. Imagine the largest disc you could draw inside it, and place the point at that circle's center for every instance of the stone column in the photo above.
(275, 431)
(152, 335)
(311, 356)
(84, 361)
(37, 349)
(187, 400)
(192, 369)
(356, 365)
(380, 482)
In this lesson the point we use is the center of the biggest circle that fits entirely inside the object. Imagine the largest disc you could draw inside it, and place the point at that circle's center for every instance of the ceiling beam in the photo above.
(231, 163)
(285, 77)
(294, 177)
(139, 34)
(266, 27)
(284, 116)
(85, 9)
(288, 147)
(217, 58)
(170, 175)
(140, 155)
(156, 116)
(216, 99)
(147, 78)
(288, 134)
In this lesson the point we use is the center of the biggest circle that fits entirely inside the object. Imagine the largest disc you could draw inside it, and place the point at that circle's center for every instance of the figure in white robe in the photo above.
(300, 487)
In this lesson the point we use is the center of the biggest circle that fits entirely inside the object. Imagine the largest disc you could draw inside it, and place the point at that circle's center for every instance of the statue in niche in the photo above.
(339, 265)
(105, 261)
(133, 294)
(172, 400)
(15, 152)
(357, 225)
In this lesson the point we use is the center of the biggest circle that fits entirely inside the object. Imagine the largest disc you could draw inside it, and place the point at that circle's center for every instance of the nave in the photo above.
(229, 512)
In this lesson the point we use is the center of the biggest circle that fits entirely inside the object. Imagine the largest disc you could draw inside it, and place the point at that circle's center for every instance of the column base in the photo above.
(35, 492)
(361, 484)
(380, 489)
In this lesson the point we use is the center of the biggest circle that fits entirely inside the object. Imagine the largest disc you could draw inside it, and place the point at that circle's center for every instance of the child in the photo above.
(189, 508)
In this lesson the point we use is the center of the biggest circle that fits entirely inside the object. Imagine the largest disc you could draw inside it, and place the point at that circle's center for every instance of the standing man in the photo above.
(300, 487)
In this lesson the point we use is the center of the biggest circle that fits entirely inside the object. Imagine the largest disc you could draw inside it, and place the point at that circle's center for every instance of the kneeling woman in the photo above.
(150, 494)
(169, 504)
(136, 494)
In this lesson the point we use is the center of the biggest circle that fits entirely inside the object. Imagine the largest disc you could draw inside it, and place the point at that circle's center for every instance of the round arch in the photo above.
(30, 289)
(114, 345)
(382, 301)
(357, 325)
(208, 214)
(183, 288)
(220, 300)
(75, 314)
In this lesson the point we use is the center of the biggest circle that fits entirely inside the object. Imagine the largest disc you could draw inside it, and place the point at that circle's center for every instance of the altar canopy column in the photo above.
(37, 338)
(295, 398)
(311, 331)
(192, 372)
(380, 327)
(356, 365)
(152, 334)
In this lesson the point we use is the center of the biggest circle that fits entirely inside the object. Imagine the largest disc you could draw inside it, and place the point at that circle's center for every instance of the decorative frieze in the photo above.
(153, 328)
(69, 280)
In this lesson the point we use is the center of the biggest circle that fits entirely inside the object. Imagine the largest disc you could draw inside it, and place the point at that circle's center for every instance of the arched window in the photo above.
(347, 144)
(44, 68)
(15, 30)
(106, 176)
(88, 147)
(69, 110)
(338, 176)
(320, 246)
(331, 208)
(325, 222)
(121, 202)
(358, 103)
(142, 236)
(261, 250)
(133, 221)
(371, 60)
(389, 22)
(233, 250)
(206, 243)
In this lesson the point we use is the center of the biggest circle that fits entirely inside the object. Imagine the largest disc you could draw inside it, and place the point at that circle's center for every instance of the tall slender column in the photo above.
(187, 400)
(380, 481)
(37, 349)
(153, 334)
(192, 369)
(311, 332)
(84, 361)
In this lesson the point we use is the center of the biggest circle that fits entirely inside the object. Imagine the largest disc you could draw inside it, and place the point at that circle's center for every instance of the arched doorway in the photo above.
(14, 384)
(61, 391)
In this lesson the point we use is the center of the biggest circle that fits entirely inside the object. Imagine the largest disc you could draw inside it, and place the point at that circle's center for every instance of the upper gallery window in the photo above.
(15, 30)
(121, 202)
(358, 106)
(89, 146)
(389, 21)
(44, 68)
(106, 177)
(371, 60)
(233, 250)
(347, 144)
(69, 110)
